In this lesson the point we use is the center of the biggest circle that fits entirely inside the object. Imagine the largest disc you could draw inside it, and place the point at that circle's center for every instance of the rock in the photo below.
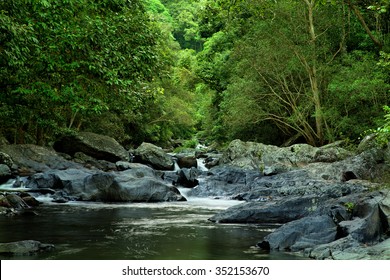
(348, 248)
(123, 165)
(187, 161)
(273, 160)
(30, 159)
(5, 173)
(154, 156)
(224, 181)
(125, 187)
(187, 177)
(61, 184)
(30, 200)
(6, 159)
(384, 208)
(25, 247)
(268, 211)
(301, 234)
(367, 224)
(4, 203)
(343, 248)
(16, 201)
(366, 165)
(90, 162)
(251, 185)
(367, 143)
(138, 184)
(97, 146)
(212, 160)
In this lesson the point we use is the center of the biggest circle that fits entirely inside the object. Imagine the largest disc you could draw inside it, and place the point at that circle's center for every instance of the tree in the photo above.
(66, 61)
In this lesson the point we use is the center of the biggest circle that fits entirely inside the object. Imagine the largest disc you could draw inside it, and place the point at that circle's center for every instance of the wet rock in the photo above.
(302, 234)
(70, 181)
(225, 181)
(92, 163)
(128, 187)
(5, 173)
(6, 159)
(138, 184)
(187, 161)
(25, 247)
(367, 224)
(97, 146)
(268, 211)
(187, 177)
(154, 156)
(16, 201)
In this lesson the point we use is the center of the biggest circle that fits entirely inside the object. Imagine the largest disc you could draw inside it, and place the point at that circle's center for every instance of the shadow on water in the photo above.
(135, 231)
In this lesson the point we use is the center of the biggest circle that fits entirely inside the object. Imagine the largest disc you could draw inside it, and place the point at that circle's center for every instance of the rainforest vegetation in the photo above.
(272, 71)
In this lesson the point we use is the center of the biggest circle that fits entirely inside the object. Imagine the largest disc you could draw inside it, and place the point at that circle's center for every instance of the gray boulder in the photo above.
(97, 146)
(348, 248)
(126, 187)
(30, 159)
(225, 181)
(272, 159)
(138, 184)
(367, 224)
(154, 156)
(6, 159)
(302, 234)
(25, 247)
(5, 173)
(269, 211)
(187, 177)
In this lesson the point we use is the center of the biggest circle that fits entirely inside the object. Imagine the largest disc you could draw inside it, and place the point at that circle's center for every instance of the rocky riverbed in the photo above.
(329, 203)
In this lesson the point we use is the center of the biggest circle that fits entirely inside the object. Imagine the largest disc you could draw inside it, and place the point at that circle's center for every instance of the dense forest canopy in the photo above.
(272, 71)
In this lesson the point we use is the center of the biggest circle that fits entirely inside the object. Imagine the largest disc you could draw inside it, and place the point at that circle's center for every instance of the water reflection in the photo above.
(136, 231)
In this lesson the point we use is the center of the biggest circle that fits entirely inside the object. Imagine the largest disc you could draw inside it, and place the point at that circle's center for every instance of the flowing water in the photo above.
(172, 230)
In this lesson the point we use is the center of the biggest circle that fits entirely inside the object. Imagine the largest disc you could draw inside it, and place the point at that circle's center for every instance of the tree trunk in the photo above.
(364, 24)
(312, 71)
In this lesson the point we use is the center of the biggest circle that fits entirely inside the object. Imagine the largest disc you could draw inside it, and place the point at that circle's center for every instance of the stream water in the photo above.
(178, 230)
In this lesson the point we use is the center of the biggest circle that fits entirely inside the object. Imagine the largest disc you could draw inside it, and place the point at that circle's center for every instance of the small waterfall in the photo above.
(17, 184)
(176, 166)
(201, 164)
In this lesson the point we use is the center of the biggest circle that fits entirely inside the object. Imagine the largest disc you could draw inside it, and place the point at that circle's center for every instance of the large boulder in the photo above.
(272, 159)
(251, 185)
(97, 146)
(367, 224)
(225, 181)
(128, 187)
(154, 156)
(29, 159)
(304, 233)
(186, 161)
(269, 211)
(137, 184)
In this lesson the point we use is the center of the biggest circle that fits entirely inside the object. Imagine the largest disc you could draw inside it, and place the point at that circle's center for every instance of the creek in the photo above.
(173, 230)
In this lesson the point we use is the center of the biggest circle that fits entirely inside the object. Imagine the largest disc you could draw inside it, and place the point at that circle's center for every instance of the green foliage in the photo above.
(383, 132)
(70, 60)
(152, 70)
(356, 94)
(349, 206)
